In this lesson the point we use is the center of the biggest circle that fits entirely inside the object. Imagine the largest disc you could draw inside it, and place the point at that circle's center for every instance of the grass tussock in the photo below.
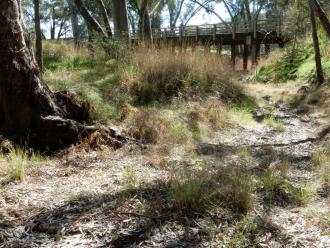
(320, 163)
(229, 188)
(130, 178)
(176, 123)
(277, 124)
(149, 126)
(161, 75)
(278, 189)
(18, 160)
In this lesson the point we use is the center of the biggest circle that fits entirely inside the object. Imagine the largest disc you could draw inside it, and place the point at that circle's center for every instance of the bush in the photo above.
(161, 75)
(285, 68)
(149, 126)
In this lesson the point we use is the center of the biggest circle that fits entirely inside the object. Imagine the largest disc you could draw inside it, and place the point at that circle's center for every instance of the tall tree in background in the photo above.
(316, 8)
(318, 61)
(120, 18)
(74, 22)
(105, 16)
(38, 34)
(92, 24)
(30, 114)
(56, 14)
(144, 21)
(174, 10)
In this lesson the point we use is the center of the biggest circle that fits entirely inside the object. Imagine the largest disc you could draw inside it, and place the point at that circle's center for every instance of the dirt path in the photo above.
(295, 142)
(86, 200)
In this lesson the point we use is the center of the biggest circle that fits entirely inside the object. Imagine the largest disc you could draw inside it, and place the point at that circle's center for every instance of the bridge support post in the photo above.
(207, 48)
(172, 46)
(219, 49)
(254, 53)
(258, 53)
(180, 46)
(193, 46)
(245, 56)
(267, 49)
(233, 54)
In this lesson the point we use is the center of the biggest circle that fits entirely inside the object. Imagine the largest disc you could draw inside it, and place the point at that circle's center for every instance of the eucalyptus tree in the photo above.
(174, 9)
(76, 29)
(92, 23)
(316, 10)
(55, 14)
(30, 114)
(120, 18)
(38, 34)
(145, 9)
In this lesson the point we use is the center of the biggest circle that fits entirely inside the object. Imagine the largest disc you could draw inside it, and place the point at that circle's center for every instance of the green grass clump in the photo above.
(243, 152)
(130, 177)
(228, 188)
(285, 68)
(17, 162)
(102, 110)
(72, 199)
(320, 158)
(320, 162)
(279, 190)
(275, 123)
(37, 157)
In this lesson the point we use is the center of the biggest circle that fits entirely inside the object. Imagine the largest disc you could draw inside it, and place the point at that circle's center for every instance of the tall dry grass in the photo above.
(176, 96)
(159, 75)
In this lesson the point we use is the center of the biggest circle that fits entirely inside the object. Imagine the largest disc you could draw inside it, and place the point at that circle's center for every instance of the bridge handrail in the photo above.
(269, 24)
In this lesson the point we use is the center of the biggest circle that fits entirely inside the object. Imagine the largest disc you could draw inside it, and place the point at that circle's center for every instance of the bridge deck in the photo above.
(265, 31)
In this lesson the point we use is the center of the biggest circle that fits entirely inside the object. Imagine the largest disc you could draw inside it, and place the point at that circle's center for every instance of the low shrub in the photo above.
(285, 68)
(161, 75)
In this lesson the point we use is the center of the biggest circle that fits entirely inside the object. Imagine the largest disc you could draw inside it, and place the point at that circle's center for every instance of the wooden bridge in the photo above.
(243, 36)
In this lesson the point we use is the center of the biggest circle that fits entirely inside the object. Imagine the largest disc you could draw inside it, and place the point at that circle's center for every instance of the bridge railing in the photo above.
(263, 25)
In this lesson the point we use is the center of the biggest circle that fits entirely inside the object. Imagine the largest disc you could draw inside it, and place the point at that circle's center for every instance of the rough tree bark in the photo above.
(120, 18)
(38, 34)
(318, 62)
(75, 28)
(145, 22)
(30, 114)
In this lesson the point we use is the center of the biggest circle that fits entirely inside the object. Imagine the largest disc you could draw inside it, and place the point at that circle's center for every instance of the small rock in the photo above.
(305, 118)
(258, 115)
(266, 98)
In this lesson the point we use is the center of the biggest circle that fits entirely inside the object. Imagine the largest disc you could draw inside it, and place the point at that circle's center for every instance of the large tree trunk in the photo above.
(30, 114)
(120, 18)
(38, 34)
(145, 25)
(318, 62)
